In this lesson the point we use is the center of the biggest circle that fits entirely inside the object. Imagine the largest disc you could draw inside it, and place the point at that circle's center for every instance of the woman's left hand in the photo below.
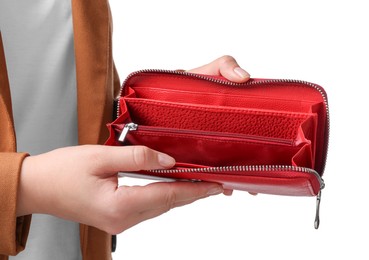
(225, 66)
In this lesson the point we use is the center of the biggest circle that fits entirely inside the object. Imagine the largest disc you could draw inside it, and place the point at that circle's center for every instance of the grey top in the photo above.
(38, 43)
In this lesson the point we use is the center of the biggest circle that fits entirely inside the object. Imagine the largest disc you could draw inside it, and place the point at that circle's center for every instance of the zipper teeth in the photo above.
(243, 168)
(219, 81)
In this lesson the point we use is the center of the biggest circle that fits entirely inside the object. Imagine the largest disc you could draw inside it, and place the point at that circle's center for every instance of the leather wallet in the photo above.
(263, 136)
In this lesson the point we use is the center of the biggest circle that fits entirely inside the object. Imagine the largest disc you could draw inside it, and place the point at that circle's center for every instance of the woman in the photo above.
(62, 83)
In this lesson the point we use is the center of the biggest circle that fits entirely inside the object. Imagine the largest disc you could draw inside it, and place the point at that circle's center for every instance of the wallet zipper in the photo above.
(239, 168)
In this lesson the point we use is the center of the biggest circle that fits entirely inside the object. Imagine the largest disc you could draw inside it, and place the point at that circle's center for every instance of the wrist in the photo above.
(29, 189)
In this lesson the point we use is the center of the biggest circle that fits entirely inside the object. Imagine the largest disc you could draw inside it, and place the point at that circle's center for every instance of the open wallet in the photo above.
(264, 136)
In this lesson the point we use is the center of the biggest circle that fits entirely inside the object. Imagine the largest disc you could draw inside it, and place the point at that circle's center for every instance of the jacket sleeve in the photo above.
(13, 230)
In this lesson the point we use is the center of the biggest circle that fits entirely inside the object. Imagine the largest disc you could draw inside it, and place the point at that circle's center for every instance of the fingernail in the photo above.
(241, 73)
(215, 191)
(165, 160)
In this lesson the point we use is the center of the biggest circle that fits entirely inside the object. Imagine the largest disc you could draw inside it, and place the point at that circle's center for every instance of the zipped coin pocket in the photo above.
(263, 136)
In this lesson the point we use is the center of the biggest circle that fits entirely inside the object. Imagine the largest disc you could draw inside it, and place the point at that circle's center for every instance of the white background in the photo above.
(325, 42)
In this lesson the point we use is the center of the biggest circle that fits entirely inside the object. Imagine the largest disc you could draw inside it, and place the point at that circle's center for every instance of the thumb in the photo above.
(133, 158)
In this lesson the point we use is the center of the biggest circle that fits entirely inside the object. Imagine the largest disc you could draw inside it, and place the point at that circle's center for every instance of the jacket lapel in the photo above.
(95, 93)
(94, 68)
(6, 116)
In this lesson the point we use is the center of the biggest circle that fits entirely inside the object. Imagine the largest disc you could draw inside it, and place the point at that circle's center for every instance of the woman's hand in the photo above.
(225, 66)
(81, 184)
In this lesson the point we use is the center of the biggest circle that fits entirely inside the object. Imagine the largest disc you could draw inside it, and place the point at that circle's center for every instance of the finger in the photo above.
(225, 66)
(131, 158)
(153, 213)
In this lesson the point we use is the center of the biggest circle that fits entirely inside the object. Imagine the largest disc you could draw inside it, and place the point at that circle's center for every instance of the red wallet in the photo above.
(263, 136)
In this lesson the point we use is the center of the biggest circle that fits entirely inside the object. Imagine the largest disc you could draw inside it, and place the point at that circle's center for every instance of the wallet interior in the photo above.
(207, 124)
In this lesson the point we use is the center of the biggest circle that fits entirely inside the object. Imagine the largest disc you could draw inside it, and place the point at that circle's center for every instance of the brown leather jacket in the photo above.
(97, 84)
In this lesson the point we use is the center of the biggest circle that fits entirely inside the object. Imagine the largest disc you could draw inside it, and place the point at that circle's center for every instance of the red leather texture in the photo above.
(188, 116)
(278, 127)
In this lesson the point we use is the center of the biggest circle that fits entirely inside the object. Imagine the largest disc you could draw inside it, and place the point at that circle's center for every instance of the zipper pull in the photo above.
(128, 127)
(317, 219)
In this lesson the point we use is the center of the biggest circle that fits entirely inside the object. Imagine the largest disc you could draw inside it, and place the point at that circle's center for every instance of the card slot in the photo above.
(214, 149)
(266, 123)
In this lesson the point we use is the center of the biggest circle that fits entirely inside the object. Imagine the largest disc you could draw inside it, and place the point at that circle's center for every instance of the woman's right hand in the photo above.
(80, 184)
